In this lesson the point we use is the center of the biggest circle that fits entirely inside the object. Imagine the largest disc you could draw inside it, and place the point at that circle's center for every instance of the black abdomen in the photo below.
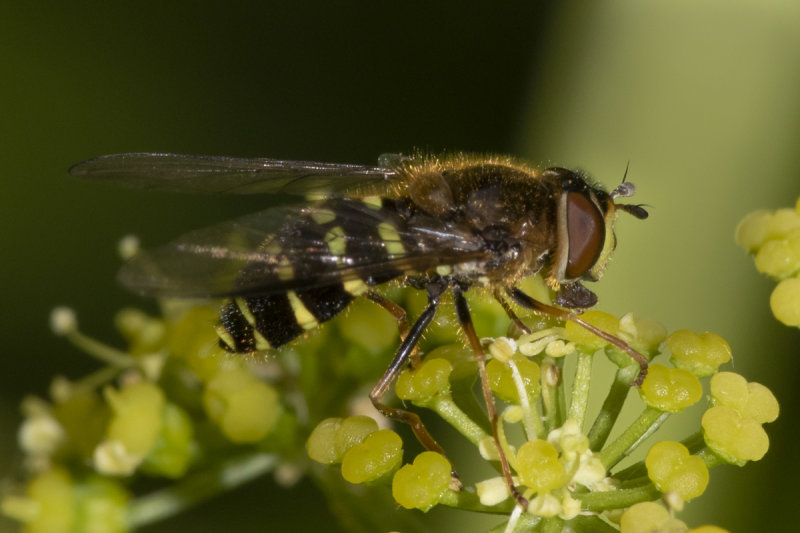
(320, 279)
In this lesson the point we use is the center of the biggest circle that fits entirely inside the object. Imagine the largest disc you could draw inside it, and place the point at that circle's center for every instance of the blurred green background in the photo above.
(701, 97)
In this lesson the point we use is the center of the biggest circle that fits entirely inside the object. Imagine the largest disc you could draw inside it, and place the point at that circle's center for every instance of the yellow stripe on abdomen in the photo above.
(261, 342)
(356, 287)
(391, 239)
(303, 316)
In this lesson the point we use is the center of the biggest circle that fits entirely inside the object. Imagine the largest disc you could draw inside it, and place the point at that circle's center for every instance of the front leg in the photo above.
(401, 316)
(407, 353)
(527, 302)
(398, 364)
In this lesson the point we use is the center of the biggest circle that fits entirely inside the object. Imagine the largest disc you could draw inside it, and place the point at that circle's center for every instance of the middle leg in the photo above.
(465, 319)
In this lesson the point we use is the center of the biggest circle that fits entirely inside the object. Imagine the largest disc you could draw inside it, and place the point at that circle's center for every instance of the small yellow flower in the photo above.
(334, 436)
(670, 389)
(735, 438)
(539, 466)
(430, 379)
(672, 469)
(752, 230)
(649, 517)
(420, 485)
(502, 381)
(376, 456)
(751, 400)
(245, 408)
(701, 354)
(587, 341)
(785, 301)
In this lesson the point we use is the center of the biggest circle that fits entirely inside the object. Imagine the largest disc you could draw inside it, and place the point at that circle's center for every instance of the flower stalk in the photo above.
(173, 407)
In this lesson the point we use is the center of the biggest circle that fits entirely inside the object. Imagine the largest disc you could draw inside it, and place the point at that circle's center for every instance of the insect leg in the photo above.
(402, 321)
(397, 311)
(510, 312)
(464, 318)
(530, 303)
(401, 359)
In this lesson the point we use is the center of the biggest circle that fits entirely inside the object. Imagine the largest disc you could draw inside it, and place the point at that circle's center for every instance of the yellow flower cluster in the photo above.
(126, 419)
(650, 517)
(173, 401)
(774, 239)
(562, 469)
(733, 425)
(55, 502)
(674, 470)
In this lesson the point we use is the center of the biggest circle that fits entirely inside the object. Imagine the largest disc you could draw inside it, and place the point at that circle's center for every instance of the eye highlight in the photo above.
(586, 232)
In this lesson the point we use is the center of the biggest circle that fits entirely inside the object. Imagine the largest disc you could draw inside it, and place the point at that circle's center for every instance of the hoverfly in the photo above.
(437, 223)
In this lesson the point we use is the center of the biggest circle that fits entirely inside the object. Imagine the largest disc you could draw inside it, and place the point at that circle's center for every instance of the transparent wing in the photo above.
(288, 248)
(232, 175)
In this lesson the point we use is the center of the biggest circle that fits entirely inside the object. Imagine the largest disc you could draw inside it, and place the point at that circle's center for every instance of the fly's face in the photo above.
(585, 216)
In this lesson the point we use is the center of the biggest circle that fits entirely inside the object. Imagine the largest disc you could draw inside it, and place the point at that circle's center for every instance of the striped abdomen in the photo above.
(314, 266)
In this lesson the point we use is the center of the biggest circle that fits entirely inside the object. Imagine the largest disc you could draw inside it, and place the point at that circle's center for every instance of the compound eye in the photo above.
(586, 231)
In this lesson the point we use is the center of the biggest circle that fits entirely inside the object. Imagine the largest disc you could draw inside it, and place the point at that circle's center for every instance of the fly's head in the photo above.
(585, 216)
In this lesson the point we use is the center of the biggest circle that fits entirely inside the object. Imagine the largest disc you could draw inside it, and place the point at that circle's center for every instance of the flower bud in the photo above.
(672, 469)
(427, 381)
(377, 456)
(420, 485)
(539, 467)
(332, 437)
(670, 389)
(785, 301)
(701, 354)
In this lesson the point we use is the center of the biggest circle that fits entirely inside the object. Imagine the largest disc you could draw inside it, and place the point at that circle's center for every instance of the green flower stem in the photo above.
(636, 474)
(634, 482)
(648, 422)
(526, 522)
(101, 351)
(617, 499)
(552, 525)
(548, 398)
(552, 396)
(580, 388)
(199, 487)
(538, 424)
(694, 443)
(612, 406)
(465, 398)
(531, 421)
(710, 458)
(632, 473)
(358, 510)
(591, 524)
(96, 379)
(510, 452)
(561, 394)
(499, 529)
(444, 406)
